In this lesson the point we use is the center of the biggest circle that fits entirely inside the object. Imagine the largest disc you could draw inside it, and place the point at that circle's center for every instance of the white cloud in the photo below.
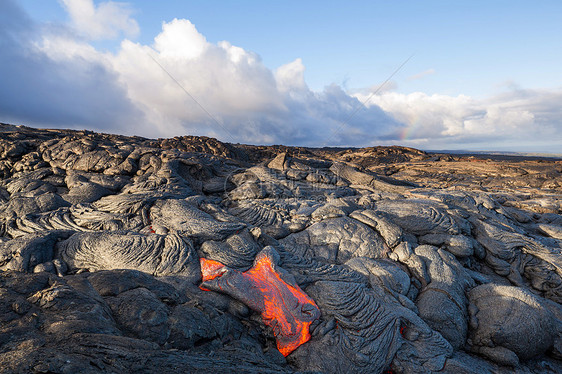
(251, 102)
(104, 21)
(519, 118)
(180, 39)
(421, 75)
(291, 76)
(225, 80)
(57, 82)
(63, 47)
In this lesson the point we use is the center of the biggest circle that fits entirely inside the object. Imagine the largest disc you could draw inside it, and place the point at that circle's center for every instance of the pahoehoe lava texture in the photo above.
(405, 261)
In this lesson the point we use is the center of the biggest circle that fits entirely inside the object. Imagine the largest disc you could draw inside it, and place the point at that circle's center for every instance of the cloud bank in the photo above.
(70, 91)
(525, 120)
(182, 84)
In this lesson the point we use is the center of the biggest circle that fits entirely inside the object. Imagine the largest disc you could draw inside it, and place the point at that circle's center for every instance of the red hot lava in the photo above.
(284, 307)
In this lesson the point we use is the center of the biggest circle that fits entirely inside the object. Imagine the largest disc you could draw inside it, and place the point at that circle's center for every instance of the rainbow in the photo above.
(411, 126)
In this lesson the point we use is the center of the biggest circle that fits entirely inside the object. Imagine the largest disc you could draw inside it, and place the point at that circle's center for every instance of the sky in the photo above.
(470, 75)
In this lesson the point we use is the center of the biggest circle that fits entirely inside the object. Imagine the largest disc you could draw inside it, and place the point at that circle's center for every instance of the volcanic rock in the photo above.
(124, 254)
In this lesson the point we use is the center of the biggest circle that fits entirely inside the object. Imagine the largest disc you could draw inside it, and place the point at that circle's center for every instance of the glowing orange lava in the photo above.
(210, 269)
(284, 307)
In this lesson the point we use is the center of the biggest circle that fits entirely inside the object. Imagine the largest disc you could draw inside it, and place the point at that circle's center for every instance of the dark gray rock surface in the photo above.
(418, 263)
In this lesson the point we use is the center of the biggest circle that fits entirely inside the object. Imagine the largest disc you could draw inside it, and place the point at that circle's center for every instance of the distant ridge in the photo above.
(507, 154)
(257, 153)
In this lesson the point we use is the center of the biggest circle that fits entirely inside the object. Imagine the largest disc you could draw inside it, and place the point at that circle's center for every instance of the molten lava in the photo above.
(210, 269)
(284, 307)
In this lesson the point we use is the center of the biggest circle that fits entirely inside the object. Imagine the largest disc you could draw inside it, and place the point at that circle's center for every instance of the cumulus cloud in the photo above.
(223, 79)
(290, 77)
(250, 102)
(183, 84)
(104, 21)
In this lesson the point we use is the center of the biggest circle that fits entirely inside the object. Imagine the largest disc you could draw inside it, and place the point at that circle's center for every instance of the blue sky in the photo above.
(485, 75)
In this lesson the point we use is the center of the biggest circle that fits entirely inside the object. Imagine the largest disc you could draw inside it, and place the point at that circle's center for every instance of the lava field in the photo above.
(189, 255)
